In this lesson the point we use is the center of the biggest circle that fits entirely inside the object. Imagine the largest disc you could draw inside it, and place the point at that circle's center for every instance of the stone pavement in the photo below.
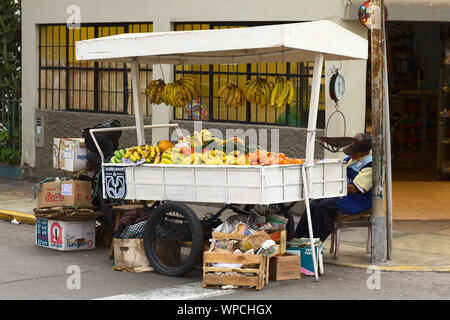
(418, 245)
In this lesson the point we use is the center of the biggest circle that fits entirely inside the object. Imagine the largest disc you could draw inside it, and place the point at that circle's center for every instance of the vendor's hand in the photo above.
(351, 188)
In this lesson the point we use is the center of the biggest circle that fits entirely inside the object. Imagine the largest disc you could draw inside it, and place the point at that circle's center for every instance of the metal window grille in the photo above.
(210, 107)
(68, 84)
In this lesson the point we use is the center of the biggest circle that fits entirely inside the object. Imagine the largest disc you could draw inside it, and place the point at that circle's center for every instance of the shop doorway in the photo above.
(418, 58)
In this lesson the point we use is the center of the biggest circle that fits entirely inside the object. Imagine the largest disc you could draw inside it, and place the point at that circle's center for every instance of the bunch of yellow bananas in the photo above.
(193, 158)
(282, 93)
(151, 154)
(258, 91)
(236, 158)
(232, 95)
(181, 92)
(154, 91)
(172, 156)
(214, 157)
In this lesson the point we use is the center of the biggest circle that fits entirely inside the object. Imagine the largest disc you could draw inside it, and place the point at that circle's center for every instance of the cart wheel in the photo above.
(173, 239)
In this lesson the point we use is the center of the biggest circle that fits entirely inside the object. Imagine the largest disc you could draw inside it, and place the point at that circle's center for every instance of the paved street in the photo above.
(31, 272)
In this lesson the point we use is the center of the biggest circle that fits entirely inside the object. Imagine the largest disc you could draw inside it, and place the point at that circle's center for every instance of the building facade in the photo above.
(61, 96)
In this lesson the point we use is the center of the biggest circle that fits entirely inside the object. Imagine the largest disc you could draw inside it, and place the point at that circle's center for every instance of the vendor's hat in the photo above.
(363, 143)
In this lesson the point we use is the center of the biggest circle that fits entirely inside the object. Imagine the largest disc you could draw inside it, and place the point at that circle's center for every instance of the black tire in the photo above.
(169, 230)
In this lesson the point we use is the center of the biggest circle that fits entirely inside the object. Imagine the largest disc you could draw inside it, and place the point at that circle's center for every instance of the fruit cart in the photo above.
(172, 223)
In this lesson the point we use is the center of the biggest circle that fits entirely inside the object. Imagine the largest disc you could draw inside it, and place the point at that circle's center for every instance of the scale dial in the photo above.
(337, 87)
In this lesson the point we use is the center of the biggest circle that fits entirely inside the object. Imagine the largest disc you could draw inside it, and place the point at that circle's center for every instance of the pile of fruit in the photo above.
(271, 158)
(201, 148)
(142, 154)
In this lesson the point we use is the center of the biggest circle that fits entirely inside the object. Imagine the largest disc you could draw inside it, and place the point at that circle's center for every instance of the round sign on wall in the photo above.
(367, 13)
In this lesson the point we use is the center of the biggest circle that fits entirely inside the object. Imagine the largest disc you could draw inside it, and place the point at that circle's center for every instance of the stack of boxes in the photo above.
(61, 196)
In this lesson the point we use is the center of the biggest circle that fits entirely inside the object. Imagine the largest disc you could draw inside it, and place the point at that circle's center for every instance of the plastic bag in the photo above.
(255, 220)
(267, 248)
(107, 141)
(243, 229)
(277, 221)
(231, 223)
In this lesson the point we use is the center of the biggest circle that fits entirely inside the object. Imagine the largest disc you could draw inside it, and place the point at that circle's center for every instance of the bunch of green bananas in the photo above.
(282, 93)
(232, 95)
(258, 91)
(118, 155)
(151, 154)
(181, 92)
(154, 91)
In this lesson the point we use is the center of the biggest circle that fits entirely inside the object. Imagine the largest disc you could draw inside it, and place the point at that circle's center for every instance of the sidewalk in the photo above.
(16, 200)
(418, 245)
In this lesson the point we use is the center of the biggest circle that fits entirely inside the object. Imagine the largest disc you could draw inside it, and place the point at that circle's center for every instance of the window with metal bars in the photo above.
(71, 85)
(210, 107)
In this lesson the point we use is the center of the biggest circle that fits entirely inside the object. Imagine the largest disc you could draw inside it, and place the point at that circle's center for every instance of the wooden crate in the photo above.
(260, 262)
(213, 280)
(279, 237)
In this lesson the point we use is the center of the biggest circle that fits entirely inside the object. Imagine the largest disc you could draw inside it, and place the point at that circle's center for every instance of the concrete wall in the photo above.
(62, 124)
(163, 14)
(353, 103)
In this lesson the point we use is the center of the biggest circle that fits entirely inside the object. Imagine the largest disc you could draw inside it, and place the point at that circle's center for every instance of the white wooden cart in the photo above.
(230, 185)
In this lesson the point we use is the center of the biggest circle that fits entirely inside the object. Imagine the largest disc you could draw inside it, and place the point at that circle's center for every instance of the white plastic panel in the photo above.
(233, 184)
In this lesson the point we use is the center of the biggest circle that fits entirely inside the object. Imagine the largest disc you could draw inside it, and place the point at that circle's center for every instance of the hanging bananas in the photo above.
(154, 91)
(232, 95)
(181, 92)
(282, 93)
(258, 91)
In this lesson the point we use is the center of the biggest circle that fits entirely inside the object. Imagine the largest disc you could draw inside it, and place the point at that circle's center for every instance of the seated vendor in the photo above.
(359, 192)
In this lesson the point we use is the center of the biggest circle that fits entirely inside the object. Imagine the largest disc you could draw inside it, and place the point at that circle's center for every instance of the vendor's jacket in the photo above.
(359, 173)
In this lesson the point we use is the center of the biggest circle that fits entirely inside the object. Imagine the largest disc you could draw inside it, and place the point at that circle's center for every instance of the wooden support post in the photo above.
(378, 253)
(136, 102)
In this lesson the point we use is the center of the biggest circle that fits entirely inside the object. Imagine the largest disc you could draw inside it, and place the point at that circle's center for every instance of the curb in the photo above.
(392, 268)
(24, 218)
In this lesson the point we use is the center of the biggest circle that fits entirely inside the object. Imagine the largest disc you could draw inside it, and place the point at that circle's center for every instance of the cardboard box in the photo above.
(284, 267)
(69, 154)
(65, 193)
(65, 235)
(129, 255)
(306, 259)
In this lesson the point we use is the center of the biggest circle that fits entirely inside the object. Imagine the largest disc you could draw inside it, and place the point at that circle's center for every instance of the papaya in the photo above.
(163, 145)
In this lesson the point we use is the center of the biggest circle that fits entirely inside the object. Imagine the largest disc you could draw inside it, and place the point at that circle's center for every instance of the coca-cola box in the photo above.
(65, 193)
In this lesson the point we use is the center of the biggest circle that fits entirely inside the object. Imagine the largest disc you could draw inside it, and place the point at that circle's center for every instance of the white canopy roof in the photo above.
(283, 42)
